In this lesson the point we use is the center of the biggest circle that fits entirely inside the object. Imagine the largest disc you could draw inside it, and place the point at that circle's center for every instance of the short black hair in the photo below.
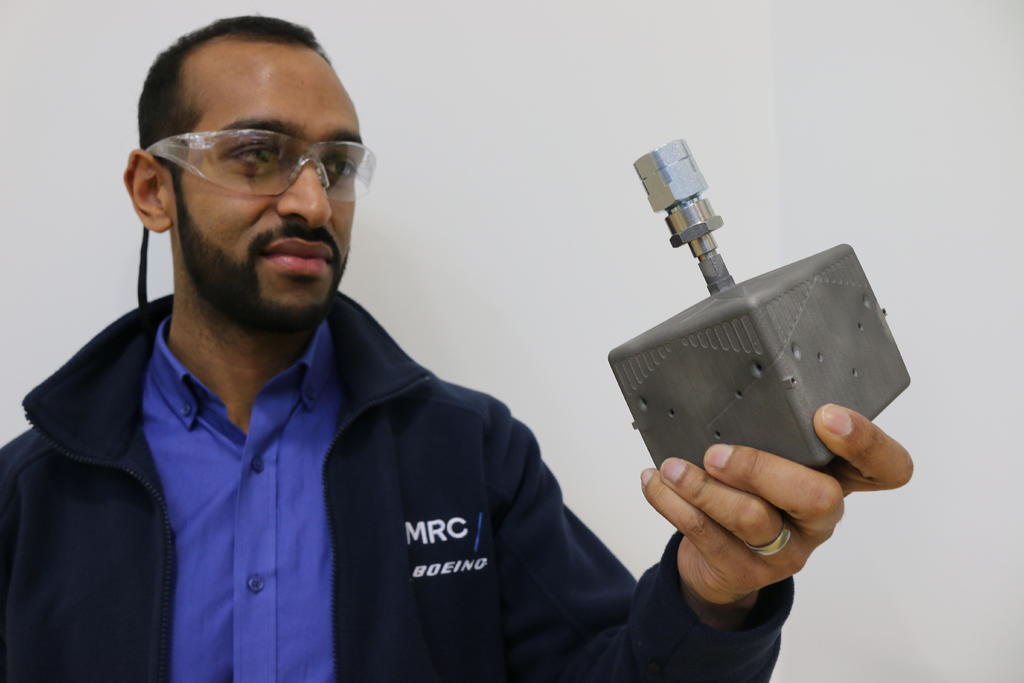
(163, 110)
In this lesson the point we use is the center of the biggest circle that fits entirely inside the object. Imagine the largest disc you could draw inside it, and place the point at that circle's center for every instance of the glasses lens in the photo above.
(349, 167)
(257, 162)
(263, 162)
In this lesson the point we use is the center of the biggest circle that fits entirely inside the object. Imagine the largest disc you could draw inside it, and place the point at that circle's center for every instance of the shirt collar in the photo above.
(173, 380)
(89, 406)
(185, 394)
(318, 364)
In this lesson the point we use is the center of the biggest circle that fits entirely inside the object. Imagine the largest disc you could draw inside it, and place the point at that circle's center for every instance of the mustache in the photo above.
(298, 230)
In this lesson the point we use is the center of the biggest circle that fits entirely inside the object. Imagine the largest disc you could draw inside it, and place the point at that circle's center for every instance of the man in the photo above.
(253, 482)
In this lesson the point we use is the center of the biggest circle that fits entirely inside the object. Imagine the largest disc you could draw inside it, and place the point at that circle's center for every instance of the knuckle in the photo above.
(868, 438)
(750, 462)
(776, 568)
(680, 513)
(658, 495)
(890, 461)
(752, 519)
(824, 497)
(905, 469)
(696, 526)
(694, 484)
(749, 576)
(867, 445)
(762, 576)
(794, 563)
(719, 545)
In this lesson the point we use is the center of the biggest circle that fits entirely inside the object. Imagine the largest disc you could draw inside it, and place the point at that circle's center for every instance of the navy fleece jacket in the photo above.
(454, 556)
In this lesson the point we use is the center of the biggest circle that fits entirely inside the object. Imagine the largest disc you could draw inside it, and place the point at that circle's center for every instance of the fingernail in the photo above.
(718, 455)
(837, 420)
(645, 477)
(672, 469)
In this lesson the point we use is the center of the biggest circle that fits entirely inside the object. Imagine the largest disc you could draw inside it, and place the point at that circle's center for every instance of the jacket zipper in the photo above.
(165, 600)
(330, 518)
(165, 638)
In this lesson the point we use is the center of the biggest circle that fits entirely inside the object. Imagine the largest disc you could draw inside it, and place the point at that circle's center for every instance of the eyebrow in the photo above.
(279, 126)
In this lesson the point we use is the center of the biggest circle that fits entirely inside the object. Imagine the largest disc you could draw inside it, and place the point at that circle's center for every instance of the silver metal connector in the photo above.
(675, 184)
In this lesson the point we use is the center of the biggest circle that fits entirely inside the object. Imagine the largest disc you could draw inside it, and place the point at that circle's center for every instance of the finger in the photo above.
(871, 459)
(748, 517)
(814, 500)
(710, 538)
(721, 569)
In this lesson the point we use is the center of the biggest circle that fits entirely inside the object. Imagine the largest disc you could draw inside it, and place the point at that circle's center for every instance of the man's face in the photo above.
(268, 263)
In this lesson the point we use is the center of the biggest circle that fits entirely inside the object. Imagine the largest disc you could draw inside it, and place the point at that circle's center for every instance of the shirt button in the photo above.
(257, 464)
(186, 409)
(255, 583)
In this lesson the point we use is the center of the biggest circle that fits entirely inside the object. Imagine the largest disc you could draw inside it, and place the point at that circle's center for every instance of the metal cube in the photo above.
(750, 365)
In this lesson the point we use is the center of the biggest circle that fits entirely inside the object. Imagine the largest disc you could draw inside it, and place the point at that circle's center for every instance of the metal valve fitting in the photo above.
(675, 184)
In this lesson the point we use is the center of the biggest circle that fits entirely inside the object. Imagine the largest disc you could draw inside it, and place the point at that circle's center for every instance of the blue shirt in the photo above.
(252, 599)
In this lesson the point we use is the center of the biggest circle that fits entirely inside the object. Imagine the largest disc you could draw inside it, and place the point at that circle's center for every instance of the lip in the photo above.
(299, 257)
(300, 249)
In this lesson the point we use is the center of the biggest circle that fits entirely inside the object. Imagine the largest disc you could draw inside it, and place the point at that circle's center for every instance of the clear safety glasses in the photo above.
(263, 162)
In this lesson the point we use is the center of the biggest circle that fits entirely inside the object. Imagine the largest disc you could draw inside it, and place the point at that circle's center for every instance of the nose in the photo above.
(306, 198)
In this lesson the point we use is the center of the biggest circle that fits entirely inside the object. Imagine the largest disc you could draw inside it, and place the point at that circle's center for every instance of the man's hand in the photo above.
(746, 496)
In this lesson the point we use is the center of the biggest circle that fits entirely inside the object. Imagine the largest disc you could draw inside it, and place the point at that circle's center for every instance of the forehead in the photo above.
(229, 80)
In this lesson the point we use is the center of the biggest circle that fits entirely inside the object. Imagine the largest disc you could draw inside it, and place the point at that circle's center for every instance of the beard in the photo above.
(233, 288)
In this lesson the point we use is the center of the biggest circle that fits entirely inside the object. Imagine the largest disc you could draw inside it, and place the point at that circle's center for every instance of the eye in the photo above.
(248, 147)
(257, 154)
(252, 159)
(338, 166)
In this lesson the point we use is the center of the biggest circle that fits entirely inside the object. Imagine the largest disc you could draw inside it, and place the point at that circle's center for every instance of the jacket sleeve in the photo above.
(572, 612)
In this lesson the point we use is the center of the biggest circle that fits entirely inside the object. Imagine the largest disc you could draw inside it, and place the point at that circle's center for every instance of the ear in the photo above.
(151, 190)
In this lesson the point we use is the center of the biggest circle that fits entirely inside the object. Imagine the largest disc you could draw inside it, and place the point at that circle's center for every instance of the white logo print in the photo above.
(431, 531)
(452, 567)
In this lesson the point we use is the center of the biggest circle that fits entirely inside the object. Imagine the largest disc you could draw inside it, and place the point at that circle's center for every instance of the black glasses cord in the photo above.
(144, 313)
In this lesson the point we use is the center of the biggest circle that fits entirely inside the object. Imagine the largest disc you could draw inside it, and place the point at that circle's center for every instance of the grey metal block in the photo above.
(751, 364)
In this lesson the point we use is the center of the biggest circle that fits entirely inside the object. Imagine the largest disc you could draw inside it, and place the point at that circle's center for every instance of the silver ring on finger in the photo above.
(773, 547)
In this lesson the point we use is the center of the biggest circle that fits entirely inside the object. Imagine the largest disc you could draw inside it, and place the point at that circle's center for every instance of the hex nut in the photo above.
(670, 175)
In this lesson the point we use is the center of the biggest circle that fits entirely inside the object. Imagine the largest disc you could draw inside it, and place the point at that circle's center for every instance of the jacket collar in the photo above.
(91, 407)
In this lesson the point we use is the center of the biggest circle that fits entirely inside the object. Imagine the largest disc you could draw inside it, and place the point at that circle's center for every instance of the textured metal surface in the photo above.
(751, 364)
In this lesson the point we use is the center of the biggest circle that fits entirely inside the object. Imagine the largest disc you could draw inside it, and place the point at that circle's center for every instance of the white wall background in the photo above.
(507, 243)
